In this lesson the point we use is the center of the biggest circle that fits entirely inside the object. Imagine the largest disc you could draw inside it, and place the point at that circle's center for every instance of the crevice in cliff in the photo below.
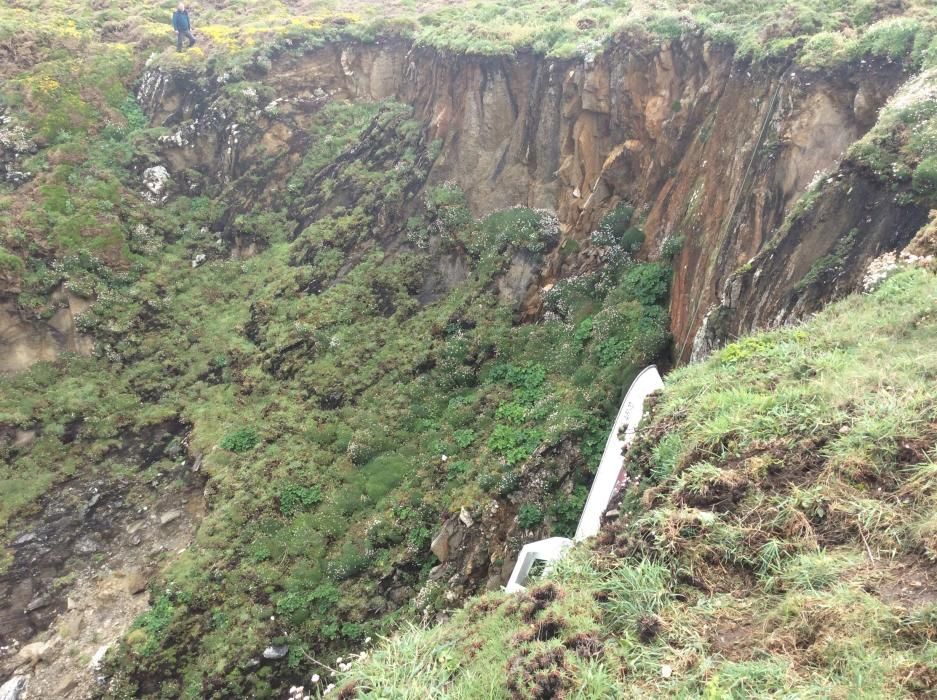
(743, 190)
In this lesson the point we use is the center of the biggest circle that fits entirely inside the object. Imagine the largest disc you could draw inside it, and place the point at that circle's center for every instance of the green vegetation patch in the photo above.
(899, 149)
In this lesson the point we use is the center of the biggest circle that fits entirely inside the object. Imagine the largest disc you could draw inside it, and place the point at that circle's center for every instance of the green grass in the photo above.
(820, 34)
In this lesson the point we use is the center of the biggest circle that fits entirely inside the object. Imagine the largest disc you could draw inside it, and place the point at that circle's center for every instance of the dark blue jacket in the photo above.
(180, 21)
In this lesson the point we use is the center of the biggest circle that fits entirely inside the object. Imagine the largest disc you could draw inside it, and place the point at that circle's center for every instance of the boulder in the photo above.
(276, 651)
(136, 582)
(440, 544)
(514, 283)
(169, 516)
(156, 180)
(98, 658)
(451, 535)
(465, 517)
(71, 627)
(24, 539)
(31, 654)
(65, 686)
(36, 603)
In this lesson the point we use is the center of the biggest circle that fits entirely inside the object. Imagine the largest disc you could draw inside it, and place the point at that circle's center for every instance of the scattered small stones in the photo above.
(275, 652)
(86, 545)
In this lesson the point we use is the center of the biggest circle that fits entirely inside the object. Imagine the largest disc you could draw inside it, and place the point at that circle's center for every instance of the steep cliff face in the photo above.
(714, 153)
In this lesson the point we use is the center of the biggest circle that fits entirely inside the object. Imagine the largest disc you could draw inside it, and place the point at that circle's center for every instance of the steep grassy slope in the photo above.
(822, 34)
(778, 541)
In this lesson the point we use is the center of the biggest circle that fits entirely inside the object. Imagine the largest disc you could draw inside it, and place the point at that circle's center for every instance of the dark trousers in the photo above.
(188, 35)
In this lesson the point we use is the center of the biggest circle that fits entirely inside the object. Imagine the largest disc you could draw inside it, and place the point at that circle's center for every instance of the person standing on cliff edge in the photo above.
(182, 26)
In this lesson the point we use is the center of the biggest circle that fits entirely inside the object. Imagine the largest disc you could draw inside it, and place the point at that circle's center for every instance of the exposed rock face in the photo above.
(15, 144)
(853, 222)
(25, 341)
(61, 609)
(32, 654)
(156, 180)
(89, 515)
(712, 151)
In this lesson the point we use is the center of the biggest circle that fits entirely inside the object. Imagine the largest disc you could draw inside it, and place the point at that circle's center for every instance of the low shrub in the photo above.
(294, 498)
(924, 179)
(529, 515)
(240, 440)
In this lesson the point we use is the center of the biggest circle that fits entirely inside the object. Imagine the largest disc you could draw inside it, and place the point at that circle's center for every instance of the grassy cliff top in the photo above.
(819, 33)
(780, 542)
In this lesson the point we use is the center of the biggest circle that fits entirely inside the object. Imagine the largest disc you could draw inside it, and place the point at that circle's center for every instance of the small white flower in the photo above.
(315, 678)
(367, 640)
